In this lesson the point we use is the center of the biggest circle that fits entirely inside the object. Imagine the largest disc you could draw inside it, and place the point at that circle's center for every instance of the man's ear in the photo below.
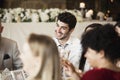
(101, 53)
(71, 30)
(1, 29)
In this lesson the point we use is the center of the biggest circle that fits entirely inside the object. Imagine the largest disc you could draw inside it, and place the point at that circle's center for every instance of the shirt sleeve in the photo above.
(75, 53)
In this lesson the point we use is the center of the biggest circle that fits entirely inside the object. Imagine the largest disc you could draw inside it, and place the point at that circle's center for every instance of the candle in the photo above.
(82, 5)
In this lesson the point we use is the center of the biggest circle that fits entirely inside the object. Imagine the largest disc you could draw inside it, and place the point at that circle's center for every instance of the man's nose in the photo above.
(58, 29)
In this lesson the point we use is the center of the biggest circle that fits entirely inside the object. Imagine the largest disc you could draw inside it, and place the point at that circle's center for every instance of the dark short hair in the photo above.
(93, 25)
(104, 38)
(68, 18)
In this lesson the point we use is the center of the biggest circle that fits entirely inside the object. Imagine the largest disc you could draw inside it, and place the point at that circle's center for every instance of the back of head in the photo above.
(46, 48)
(68, 18)
(92, 26)
(104, 38)
(83, 59)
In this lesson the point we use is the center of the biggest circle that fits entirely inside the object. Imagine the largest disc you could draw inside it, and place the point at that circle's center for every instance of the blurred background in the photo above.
(111, 8)
(22, 17)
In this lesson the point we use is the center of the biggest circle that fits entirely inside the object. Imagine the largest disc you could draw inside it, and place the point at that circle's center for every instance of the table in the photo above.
(20, 31)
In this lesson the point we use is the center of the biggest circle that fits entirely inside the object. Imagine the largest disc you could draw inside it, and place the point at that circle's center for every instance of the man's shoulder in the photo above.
(75, 39)
(7, 41)
(7, 45)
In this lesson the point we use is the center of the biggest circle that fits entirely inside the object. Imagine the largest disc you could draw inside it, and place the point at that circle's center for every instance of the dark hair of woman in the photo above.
(83, 59)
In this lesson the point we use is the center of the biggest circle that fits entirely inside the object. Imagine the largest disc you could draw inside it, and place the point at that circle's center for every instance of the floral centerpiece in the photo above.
(34, 15)
(100, 15)
(89, 14)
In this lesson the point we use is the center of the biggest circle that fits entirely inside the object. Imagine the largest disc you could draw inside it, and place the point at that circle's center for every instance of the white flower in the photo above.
(28, 14)
(12, 11)
(35, 17)
(89, 13)
(21, 15)
(8, 17)
(47, 11)
(79, 16)
(33, 10)
(18, 10)
(17, 18)
(53, 15)
(44, 17)
(100, 14)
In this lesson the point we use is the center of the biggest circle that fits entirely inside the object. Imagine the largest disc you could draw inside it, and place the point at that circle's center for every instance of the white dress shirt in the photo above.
(71, 50)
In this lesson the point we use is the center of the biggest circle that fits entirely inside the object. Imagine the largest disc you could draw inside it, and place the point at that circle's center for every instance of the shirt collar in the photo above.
(67, 43)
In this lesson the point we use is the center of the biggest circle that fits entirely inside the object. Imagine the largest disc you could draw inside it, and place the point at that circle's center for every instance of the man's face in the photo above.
(62, 30)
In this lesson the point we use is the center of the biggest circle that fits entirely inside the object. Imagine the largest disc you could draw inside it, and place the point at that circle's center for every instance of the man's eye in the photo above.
(64, 28)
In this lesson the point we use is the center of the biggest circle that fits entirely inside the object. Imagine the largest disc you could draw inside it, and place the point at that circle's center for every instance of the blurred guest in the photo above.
(102, 52)
(9, 53)
(41, 58)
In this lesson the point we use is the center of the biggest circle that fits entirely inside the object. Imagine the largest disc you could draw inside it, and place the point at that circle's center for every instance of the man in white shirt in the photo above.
(68, 46)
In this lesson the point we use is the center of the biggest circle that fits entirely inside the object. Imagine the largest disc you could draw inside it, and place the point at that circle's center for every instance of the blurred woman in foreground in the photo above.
(41, 58)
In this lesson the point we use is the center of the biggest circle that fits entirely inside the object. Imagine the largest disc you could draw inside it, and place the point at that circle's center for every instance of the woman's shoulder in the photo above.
(101, 74)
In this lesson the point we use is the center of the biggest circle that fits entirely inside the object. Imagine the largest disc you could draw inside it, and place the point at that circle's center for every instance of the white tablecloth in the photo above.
(20, 31)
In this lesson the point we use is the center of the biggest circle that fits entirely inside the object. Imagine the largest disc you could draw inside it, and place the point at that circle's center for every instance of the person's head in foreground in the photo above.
(83, 59)
(65, 25)
(102, 50)
(103, 46)
(41, 58)
(92, 26)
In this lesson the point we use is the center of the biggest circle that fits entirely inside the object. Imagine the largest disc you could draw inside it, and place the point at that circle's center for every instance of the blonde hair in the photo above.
(45, 47)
